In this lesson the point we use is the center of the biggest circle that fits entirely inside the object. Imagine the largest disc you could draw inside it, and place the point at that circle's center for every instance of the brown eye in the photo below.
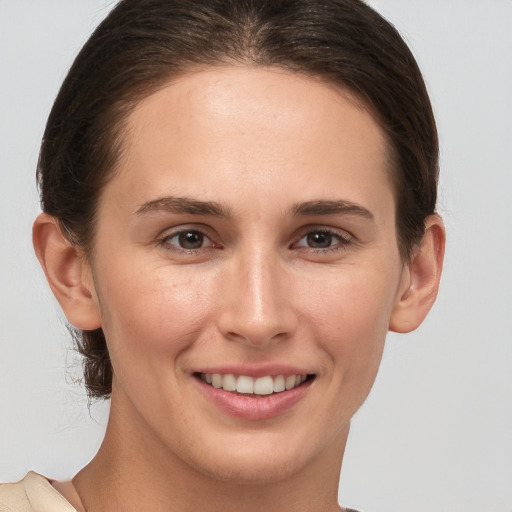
(324, 239)
(190, 240)
(319, 239)
(187, 240)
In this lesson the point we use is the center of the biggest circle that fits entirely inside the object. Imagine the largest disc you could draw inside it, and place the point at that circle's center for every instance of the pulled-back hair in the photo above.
(143, 44)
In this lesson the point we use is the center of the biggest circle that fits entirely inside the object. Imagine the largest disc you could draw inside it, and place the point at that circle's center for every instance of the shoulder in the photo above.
(32, 494)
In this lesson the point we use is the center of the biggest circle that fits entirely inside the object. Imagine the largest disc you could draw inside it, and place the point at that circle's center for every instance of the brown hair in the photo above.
(142, 44)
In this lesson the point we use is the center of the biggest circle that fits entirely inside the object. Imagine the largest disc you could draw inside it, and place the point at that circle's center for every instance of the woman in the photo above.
(239, 203)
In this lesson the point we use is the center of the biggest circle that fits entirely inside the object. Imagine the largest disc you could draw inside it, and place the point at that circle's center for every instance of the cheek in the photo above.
(350, 311)
(155, 314)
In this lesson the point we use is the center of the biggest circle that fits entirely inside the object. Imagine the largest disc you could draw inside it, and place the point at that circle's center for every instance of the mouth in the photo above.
(255, 387)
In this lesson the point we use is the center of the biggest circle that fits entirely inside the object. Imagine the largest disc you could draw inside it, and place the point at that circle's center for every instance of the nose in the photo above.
(257, 306)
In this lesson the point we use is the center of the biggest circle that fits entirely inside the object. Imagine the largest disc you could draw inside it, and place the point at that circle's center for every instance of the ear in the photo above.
(67, 272)
(420, 279)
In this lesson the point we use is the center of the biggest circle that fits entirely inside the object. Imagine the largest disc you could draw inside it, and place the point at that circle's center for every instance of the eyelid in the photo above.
(345, 238)
(169, 233)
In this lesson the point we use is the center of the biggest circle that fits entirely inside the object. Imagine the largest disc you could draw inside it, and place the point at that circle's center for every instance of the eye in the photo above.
(323, 239)
(187, 240)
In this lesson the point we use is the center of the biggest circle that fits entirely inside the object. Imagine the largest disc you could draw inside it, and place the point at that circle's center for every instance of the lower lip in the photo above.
(252, 407)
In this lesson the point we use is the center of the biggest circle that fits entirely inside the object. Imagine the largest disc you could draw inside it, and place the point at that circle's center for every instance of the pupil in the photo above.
(191, 240)
(319, 240)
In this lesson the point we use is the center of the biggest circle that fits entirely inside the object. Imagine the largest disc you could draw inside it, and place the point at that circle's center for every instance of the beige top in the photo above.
(33, 494)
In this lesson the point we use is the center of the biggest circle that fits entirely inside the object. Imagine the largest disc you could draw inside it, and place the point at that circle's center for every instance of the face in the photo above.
(246, 268)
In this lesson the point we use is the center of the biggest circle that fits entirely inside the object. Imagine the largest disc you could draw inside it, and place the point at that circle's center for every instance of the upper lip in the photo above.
(256, 370)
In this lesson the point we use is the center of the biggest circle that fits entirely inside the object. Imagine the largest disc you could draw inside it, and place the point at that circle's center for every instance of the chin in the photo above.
(255, 461)
(251, 471)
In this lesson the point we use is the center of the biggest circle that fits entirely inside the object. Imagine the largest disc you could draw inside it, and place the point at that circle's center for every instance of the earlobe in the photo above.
(67, 273)
(420, 279)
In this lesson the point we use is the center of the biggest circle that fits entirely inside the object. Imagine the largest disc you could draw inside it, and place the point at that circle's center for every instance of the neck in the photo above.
(133, 471)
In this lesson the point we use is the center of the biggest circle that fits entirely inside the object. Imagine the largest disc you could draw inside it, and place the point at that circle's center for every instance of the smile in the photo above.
(255, 398)
(243, 384)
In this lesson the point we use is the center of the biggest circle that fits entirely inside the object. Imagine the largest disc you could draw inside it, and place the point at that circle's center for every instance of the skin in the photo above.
(274, 280)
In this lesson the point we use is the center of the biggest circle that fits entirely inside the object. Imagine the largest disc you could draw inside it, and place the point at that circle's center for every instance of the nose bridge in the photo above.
(257, 309)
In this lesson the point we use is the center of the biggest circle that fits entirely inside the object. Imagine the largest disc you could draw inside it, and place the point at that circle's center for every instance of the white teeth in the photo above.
(264, 386)
(249, 385)
(245, 384)
(290, 382)
(279, 384)
(217, 380)
(229, 382)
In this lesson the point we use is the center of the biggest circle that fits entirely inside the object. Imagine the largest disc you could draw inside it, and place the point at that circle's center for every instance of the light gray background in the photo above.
(436, 433)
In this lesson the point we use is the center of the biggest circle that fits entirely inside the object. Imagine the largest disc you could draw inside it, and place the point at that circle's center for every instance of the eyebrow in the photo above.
(187, 205)
(331, 208)
(172, 204)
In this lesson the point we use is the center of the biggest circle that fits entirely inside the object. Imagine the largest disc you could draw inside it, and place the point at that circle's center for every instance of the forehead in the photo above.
(258, 127)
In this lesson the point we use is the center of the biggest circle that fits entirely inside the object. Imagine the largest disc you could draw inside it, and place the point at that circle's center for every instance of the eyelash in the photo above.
(165, 241)
(343, 240)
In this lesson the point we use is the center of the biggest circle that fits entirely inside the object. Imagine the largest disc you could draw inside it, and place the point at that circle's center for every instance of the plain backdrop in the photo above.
(436, 432)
